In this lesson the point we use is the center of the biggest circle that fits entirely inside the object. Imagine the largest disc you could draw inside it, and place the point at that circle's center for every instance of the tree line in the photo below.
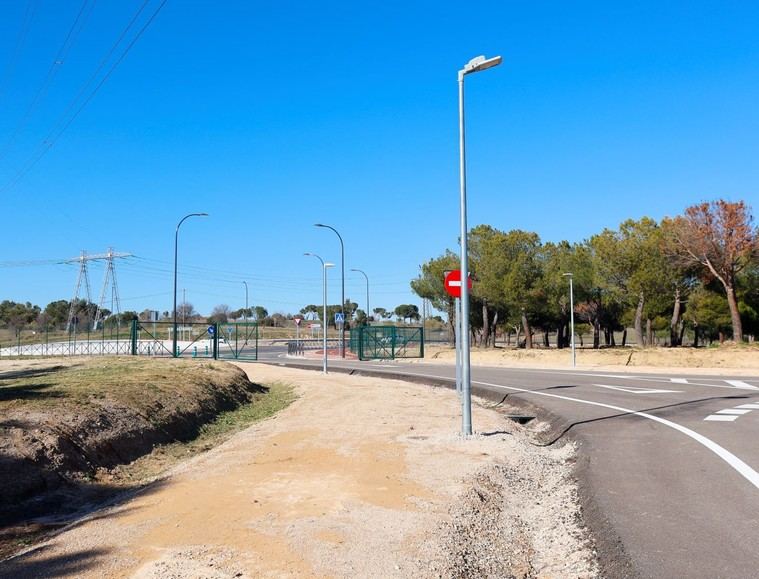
(18, 316)
(696, 274)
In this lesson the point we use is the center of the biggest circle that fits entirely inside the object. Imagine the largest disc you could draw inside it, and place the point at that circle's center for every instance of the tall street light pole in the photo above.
(475, 65)
(572, 317)
(176, 252)
(367, 292)
(245, 315)
(342, 278)
(324, 307)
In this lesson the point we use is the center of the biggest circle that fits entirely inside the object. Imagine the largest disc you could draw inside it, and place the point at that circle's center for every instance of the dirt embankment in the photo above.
(738, 359)
(63, 423)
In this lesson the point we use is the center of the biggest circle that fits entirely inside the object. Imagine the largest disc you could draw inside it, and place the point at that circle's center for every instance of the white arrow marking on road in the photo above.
(741, 384)
(634, 390)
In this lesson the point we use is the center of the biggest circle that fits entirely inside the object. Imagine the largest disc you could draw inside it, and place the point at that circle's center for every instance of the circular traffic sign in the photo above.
(453, 283)
(211, 330)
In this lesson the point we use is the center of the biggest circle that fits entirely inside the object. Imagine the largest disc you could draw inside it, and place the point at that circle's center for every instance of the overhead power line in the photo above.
(62, 119)
(10, 67)
(52, 72)
(50, 142)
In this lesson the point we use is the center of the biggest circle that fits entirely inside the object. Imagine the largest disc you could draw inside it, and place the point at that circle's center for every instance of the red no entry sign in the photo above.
(453, 283)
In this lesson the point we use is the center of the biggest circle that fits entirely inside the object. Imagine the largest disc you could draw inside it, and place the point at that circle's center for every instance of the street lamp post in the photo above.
(342, 279)
(245, 313)
(367, 292)
(475, 65)
(176, 252)
(324, 307)
(572, 317)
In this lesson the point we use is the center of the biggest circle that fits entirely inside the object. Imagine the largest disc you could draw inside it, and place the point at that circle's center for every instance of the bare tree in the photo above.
(220, 314)
(186, 312)
(720, 237)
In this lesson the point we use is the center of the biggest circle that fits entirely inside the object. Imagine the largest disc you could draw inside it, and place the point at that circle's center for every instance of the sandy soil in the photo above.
(359, 477)
(734, 360)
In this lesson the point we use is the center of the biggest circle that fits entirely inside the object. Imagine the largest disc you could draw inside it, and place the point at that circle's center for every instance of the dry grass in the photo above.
(134, 382)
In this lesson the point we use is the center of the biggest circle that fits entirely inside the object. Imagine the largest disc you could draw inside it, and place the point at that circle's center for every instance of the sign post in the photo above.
(453, 285)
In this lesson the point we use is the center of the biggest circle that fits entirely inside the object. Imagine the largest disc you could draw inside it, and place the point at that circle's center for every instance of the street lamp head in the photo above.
(319, 225)
(479, 63)
(566, 274)
(308, 253)
(328, 264)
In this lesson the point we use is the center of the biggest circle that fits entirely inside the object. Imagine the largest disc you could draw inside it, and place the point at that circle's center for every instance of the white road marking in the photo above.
(735, 411)
(635, 390)
(720, 418)
(637, 378)
(679, 380)
(741, 384)
(733, 461)
(749, 406)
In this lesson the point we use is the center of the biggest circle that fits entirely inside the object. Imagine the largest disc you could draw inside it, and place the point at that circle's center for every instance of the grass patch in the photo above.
(279, 396)
(262, 405)
(133, 382)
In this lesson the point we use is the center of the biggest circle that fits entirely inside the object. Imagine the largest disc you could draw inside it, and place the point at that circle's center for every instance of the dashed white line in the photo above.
(637, 390)
(749, 406)
(735, 411)
(679, 380)
(720, 418)
(730, 384)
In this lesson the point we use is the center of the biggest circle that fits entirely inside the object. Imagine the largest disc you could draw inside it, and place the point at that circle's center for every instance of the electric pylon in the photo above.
(110, 275)
(83, 278)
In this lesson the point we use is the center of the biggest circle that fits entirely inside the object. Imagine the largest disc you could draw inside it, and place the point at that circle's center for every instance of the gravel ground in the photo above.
(360, 477)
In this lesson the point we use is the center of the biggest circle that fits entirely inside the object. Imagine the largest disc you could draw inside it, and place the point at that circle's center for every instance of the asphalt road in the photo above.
(668, 463)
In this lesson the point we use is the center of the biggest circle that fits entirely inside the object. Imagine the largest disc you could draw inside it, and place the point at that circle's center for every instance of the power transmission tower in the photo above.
(110, 275)
(83, 277)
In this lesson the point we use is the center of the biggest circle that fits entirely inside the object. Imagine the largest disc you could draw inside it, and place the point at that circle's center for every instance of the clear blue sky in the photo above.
(272, 116)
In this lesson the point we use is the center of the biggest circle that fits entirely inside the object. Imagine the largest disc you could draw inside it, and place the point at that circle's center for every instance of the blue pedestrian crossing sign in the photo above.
(339, 318)
(211, 330)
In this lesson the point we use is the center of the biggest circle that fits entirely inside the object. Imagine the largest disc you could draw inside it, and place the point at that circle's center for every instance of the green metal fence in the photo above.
(196, 340)
(238, 341)
(48, 341)
(387, 342)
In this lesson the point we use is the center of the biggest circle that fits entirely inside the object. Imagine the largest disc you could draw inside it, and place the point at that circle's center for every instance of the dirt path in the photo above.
(359, 477)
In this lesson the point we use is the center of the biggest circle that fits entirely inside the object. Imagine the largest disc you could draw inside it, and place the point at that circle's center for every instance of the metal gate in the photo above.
(196, 340)
(387, 342)
(237, 341)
